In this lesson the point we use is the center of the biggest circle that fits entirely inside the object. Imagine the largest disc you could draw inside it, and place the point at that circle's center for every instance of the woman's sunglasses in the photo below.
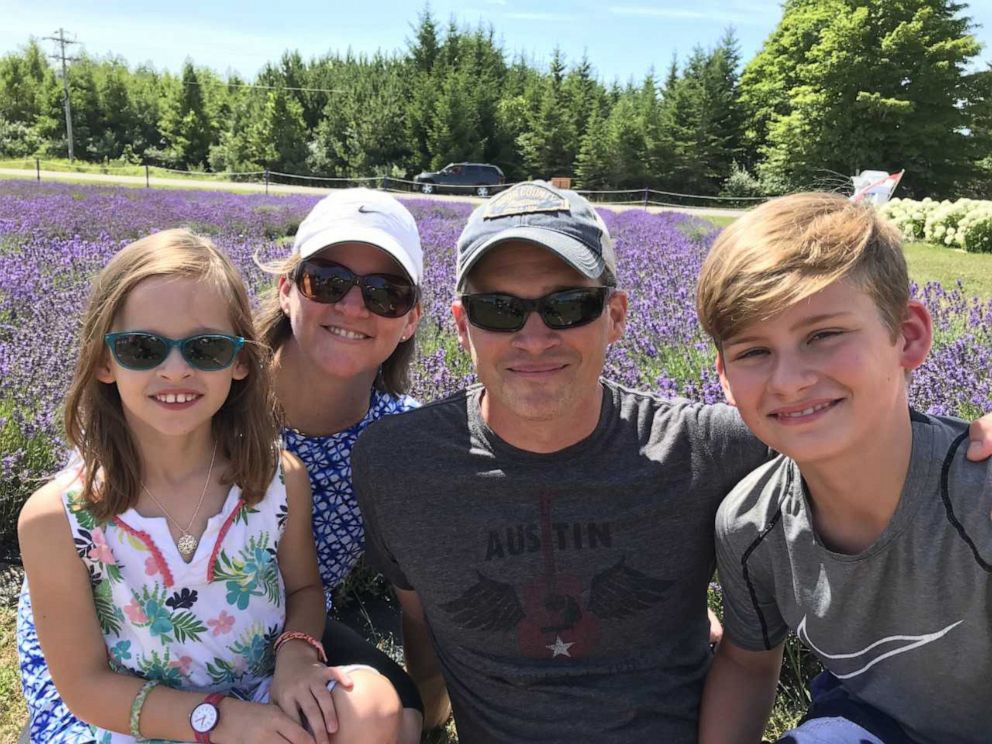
(140, 350)
(387, 295)
(505, 313)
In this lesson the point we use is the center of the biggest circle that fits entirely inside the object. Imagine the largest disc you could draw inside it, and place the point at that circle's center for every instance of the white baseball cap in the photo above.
(363, 216)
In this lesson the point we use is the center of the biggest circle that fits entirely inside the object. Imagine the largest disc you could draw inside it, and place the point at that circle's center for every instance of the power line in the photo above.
(268, 87)
(65, 83)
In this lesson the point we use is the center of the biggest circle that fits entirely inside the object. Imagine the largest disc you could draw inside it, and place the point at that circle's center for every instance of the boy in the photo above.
(870, 536)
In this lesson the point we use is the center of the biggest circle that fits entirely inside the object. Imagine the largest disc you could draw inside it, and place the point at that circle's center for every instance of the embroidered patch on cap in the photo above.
(525, 199)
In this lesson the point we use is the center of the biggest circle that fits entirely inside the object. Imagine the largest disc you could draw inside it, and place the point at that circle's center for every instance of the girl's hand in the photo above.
(300, 686)
(242, 722)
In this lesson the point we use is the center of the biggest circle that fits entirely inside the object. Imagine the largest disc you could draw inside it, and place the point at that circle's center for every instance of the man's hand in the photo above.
(716, 629)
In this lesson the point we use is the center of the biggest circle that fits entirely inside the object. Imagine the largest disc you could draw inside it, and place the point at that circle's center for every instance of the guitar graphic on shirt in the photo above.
(558, 615)
(554, 621)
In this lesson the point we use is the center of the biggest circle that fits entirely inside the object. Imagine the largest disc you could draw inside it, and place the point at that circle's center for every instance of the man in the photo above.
(550, 533)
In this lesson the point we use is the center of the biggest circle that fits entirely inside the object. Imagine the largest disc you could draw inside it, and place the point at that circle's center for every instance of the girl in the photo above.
(342, 321)
(171, 566)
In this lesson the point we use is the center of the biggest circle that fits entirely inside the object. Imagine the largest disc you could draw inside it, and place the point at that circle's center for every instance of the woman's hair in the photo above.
(274, 328)
(245, 427)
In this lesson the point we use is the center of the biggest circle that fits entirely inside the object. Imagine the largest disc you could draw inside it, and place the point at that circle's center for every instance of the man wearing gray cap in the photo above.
(549, 532)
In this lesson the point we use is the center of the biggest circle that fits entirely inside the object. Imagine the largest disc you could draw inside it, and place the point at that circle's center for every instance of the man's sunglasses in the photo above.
(505, 313)
(141, 350)
(388, 295)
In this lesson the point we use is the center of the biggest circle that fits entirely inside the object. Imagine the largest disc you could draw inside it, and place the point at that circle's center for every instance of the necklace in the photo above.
(186, 542)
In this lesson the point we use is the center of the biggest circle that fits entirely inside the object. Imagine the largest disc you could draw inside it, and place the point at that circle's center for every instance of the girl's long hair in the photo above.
(274, 329)
(245, 427)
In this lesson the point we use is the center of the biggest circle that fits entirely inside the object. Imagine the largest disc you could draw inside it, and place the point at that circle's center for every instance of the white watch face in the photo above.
(203, 718)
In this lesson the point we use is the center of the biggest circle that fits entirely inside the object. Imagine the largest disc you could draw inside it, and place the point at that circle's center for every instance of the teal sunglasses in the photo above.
(140, 350)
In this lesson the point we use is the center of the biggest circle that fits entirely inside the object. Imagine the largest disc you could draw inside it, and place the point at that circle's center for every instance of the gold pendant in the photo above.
(186, 545)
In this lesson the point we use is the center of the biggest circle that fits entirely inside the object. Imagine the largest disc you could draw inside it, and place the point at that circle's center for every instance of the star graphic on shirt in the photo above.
(560, 648)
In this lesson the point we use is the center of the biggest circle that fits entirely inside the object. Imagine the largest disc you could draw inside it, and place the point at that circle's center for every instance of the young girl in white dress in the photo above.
(172, 568)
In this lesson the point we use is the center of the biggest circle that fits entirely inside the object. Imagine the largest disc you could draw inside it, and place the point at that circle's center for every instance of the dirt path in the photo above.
(275, 188)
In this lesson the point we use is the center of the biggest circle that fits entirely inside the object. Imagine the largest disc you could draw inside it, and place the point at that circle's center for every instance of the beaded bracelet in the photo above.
(297, 635)
(138, 704)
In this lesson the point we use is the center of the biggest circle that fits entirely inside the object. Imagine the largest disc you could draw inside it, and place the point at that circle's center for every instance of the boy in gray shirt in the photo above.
(870, 536)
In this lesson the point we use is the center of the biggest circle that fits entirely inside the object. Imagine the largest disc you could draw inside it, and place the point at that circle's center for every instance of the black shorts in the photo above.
(343, 646)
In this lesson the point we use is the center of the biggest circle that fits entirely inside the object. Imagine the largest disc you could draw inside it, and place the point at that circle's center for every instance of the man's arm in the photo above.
(739, 693)
(421, 662)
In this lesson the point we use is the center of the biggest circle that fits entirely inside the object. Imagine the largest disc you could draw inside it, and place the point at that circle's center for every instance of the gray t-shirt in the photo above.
(906, 625)
(566, 592)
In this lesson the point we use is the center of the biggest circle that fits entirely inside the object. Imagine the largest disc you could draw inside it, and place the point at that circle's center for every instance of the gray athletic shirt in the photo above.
(907, 624)
(565, 593)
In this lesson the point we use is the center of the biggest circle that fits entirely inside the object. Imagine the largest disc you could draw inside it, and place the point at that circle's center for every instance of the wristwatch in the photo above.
(205, 716)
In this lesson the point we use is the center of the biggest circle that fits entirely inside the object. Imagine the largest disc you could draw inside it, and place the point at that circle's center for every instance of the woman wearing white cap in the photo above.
(341, 322)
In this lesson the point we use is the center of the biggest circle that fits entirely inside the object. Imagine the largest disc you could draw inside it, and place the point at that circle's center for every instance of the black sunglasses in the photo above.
(141, 350)
(388, 295)
(567, 308)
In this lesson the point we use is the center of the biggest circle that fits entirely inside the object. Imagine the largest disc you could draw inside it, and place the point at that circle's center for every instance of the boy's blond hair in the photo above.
(792, 247)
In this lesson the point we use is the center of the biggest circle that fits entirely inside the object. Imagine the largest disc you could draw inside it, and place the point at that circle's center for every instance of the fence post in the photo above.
(37, 168)
(645, 197)
(148, 183)
(266, 181)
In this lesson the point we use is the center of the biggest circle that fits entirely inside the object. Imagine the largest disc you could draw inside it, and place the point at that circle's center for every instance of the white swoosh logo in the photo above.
(910, 642)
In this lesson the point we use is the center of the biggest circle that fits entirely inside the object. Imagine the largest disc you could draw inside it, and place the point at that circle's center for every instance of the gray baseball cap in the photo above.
(537, 212)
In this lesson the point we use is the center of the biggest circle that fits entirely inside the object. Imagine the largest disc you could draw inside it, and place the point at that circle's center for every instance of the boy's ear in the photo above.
(915, 335)
(724, 382)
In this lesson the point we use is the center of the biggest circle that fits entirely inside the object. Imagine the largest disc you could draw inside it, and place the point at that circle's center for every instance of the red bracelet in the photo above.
(297, 635)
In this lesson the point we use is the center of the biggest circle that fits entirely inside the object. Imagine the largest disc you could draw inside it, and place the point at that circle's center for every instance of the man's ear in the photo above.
(915, 335)
(461, 324)
(724, 382)
(617, 308)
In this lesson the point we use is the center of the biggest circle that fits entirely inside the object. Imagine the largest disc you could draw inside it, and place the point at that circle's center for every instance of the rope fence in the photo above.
(643, 197)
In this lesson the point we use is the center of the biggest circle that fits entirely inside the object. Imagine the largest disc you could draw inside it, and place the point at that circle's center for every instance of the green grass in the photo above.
(720, 221)
(12, 712)
(934, 263)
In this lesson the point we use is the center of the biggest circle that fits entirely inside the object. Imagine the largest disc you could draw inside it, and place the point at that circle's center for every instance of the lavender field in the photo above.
(54, 236)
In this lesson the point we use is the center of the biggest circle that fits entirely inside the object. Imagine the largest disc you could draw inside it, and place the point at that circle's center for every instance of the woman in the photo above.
(341, 322)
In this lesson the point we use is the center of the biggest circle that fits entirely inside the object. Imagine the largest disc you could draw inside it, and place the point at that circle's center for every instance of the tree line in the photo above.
(839, 85)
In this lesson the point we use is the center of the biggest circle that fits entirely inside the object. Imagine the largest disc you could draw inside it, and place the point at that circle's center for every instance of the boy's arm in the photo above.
(739, 693)
(421, 661)
(981, 438)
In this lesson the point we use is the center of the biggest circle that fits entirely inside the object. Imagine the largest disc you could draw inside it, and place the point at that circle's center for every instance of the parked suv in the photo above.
(461, 178)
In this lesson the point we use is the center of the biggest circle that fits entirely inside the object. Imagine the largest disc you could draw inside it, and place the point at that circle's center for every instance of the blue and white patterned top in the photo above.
(338, 528)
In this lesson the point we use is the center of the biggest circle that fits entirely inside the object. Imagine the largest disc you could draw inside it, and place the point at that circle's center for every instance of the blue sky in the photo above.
(623, 38)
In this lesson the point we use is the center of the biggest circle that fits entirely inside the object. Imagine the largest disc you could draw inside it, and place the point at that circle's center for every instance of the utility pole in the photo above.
(65, 84)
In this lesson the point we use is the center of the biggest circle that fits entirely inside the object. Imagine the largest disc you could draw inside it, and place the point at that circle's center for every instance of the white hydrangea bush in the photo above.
(964, 223)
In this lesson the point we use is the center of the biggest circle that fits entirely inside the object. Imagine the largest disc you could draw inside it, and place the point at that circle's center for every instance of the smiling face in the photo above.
(344, 339)
(172, 399)
(821, 379)
(536, 374)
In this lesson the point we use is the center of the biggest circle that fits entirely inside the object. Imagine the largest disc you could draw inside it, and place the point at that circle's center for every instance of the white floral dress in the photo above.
(207, 625)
